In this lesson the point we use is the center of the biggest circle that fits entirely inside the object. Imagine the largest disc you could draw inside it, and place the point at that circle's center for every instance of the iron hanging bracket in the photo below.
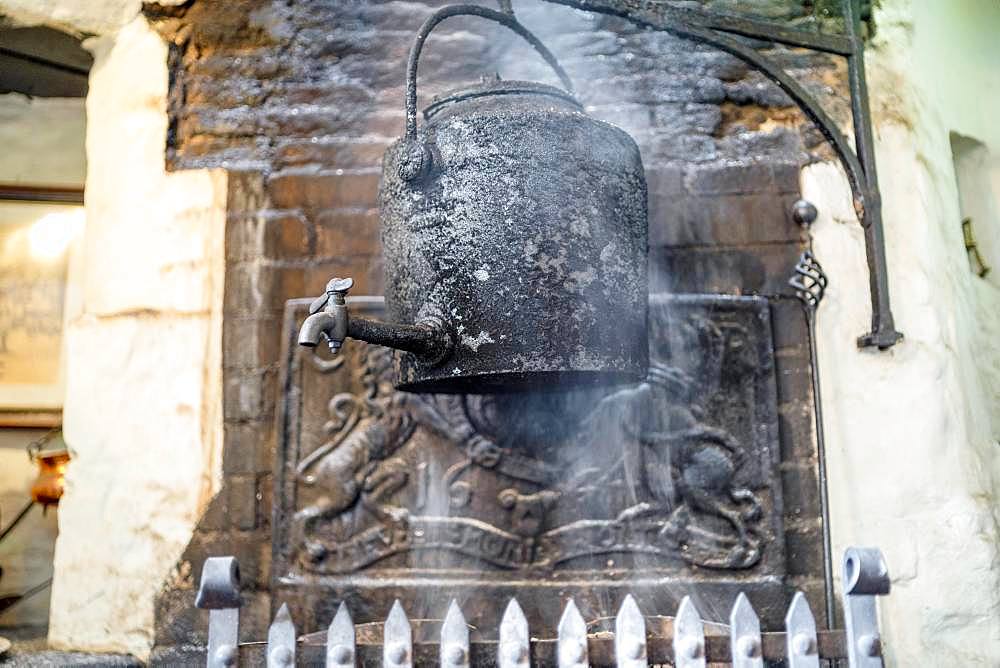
(721, 31)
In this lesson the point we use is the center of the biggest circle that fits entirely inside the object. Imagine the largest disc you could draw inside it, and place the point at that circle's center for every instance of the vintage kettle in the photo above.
(515, 236)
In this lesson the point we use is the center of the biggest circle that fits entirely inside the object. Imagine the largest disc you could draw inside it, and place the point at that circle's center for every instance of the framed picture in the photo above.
(37, 228)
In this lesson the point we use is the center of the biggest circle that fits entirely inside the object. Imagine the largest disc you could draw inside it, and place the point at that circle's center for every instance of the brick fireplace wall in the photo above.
(299, 100)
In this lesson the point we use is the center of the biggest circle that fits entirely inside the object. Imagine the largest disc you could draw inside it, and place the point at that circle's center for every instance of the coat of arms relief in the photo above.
(674, 473)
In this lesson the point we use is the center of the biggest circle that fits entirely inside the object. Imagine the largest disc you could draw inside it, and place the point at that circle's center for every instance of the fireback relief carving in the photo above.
(675, 472)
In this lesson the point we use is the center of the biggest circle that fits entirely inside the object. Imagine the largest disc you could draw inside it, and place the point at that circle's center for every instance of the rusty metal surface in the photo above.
(520, 222)
(383, 494)
(514, 222)
(538, 265)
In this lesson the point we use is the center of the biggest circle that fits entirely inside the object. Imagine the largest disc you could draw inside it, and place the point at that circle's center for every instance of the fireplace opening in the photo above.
(545, 332)
(561, 375)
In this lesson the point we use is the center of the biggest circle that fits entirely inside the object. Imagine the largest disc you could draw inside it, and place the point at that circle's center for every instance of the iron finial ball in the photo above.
(804, 213)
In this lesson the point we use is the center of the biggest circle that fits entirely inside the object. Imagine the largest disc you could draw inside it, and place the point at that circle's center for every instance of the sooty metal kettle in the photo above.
(515, 236)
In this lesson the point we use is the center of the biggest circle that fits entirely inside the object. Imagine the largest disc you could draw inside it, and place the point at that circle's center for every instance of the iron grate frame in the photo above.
(690, 642)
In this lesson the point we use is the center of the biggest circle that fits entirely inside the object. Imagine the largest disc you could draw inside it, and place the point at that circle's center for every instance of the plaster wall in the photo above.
(143, 336)
(913, 432)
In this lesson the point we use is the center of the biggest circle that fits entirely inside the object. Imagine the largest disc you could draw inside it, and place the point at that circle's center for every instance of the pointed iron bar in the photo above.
(340, 640)
(744, 635)
(572, 633)
(454, 639)
(800, 629)
(630, 635)
(397, 639)
(223, 634)
(514, 650)
(689, 636)
(281, 640)
(801, 646)
(312, 649)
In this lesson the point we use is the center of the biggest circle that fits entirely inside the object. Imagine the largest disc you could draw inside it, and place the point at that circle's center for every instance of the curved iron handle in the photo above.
(504, 19)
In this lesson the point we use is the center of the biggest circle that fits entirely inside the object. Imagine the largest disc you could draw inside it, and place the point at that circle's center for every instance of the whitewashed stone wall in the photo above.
(913, 432)
(143, 402)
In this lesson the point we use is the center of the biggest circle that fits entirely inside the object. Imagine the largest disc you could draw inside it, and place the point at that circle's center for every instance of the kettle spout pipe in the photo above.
(428, 339)
(331, 320)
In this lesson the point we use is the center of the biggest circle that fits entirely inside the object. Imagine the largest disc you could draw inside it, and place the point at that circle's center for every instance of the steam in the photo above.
(590, 438)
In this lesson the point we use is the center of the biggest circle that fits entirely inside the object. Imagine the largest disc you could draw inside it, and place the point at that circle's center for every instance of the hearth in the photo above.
(522, 432)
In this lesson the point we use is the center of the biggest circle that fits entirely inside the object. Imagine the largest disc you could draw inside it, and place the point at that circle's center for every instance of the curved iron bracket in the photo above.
(718, 30)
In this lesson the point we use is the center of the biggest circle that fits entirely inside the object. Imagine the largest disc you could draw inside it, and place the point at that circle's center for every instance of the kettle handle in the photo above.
(505, 19)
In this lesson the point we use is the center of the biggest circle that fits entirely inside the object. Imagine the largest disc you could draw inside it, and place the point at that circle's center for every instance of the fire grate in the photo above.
(630, 640)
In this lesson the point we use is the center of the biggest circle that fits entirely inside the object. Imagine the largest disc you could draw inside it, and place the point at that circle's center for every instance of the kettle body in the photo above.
(525, 232)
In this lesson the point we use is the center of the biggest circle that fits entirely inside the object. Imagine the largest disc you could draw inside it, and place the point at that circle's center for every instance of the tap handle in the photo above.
(339, 286)
(336, 287)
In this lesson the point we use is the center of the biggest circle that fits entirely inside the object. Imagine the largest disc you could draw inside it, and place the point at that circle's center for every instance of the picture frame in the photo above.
(37, 227)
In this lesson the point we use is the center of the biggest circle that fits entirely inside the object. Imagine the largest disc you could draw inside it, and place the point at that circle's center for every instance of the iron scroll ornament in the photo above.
(718, 30)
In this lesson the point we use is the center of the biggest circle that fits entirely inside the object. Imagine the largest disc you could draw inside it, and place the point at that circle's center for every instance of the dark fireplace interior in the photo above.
(298, 101)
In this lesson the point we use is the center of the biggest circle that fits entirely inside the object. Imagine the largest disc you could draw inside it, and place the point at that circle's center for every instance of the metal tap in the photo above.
(328, 317)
